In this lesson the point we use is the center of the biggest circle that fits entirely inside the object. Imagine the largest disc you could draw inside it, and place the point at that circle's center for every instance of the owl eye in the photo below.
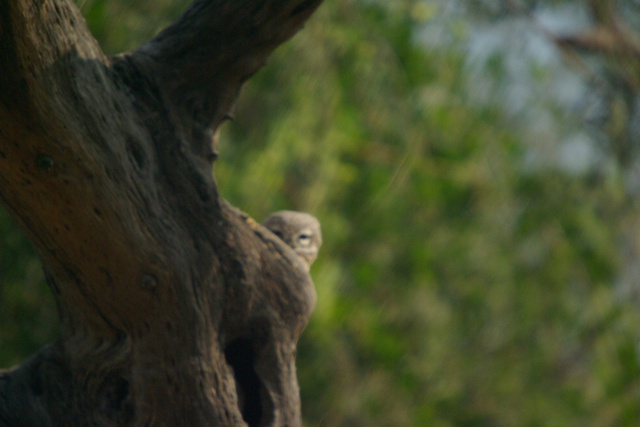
(304, 239)
(277, 233)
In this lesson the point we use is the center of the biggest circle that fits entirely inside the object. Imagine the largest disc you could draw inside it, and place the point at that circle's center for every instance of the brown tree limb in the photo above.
(610, 37)
(175, 307)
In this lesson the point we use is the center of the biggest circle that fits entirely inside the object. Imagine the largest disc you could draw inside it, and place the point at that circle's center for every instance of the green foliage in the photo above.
(27, 312)
(456, 286)
(121, 25)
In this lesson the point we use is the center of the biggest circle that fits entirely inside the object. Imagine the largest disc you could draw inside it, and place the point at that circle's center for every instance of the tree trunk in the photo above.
(175, 308)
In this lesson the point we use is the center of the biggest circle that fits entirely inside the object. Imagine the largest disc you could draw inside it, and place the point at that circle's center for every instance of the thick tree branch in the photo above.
(202, 60)
(174, 306)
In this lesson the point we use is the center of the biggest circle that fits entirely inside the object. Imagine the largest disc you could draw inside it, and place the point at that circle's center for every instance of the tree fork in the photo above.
(175, 308)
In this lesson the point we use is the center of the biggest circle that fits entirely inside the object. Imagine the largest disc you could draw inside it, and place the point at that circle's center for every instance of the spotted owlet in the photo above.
(299, 230)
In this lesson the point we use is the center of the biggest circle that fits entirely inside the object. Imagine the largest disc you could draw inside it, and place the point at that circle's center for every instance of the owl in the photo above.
(299, 230)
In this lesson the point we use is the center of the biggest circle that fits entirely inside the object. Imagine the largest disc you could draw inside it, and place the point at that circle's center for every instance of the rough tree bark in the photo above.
(175, 308)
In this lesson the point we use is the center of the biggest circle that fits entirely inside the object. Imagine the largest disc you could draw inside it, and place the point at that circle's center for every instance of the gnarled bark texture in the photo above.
(176, 309)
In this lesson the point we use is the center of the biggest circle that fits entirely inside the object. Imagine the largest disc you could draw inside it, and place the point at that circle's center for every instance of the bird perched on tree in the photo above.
(299, 230)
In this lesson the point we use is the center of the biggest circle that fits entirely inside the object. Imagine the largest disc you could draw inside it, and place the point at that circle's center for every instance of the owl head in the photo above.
(299, 230)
